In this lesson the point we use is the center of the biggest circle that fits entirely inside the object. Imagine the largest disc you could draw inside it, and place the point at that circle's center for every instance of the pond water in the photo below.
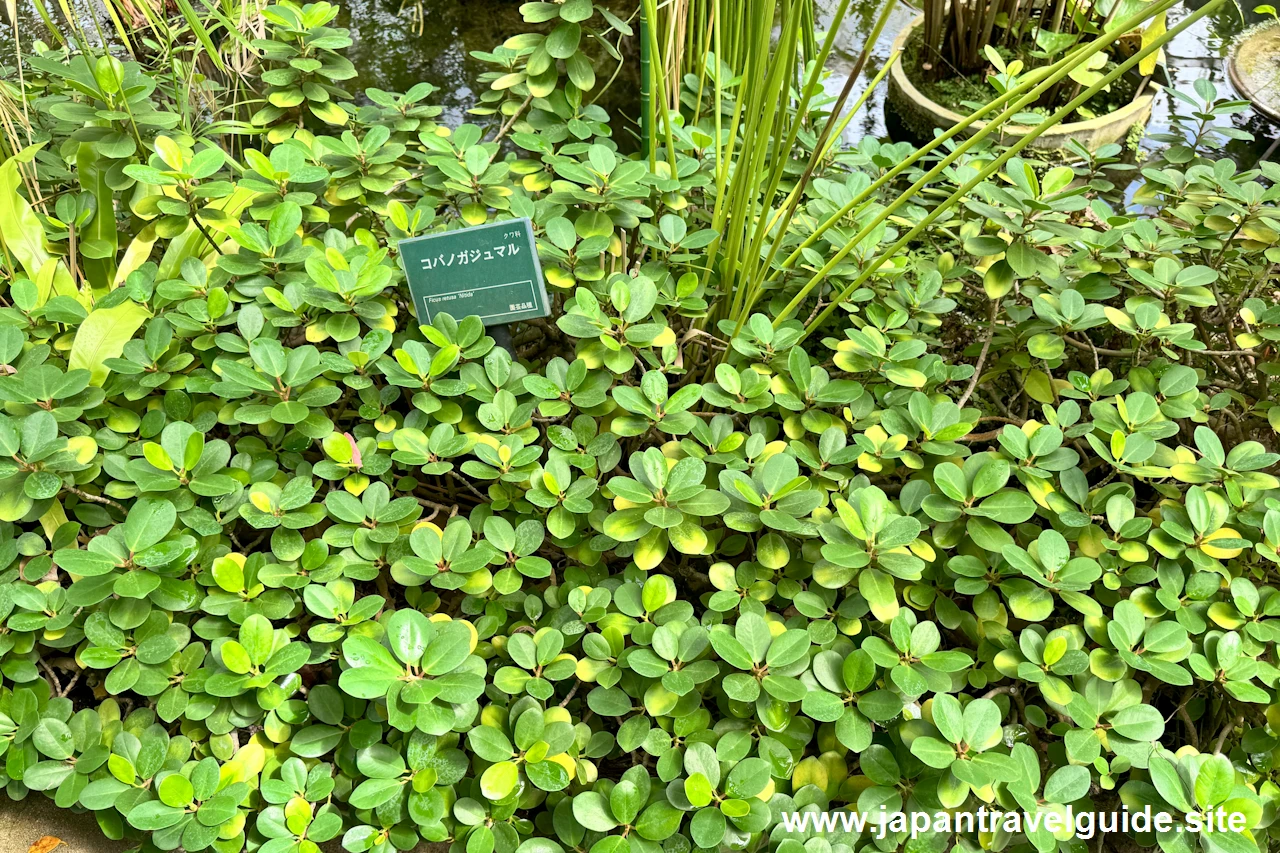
(1201, 51)
(398, 43)
(389, 53)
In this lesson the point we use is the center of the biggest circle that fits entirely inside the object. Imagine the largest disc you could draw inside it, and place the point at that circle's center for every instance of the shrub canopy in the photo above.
(989, 522)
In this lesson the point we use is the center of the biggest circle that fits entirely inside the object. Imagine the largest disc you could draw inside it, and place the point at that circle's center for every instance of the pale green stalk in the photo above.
(723, 212)
(762, 114)
(73, 23)
(782, 155)
(1032, 80)
(719, 119)
(1039, 81)
(838, 134)
(792, 197)
(746, 297)
(700, 55)
(659, 81)
(752, 161)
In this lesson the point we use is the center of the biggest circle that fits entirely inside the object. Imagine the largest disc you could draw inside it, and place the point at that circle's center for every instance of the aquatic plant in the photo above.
(853, 477)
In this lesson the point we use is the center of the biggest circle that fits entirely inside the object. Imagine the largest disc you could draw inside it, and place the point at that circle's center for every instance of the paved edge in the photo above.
(24, 822)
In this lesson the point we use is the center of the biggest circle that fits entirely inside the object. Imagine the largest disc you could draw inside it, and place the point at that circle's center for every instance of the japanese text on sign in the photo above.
(490, 271)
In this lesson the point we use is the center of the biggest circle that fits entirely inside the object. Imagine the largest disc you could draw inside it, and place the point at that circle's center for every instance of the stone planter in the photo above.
(1254, 68)
(921, 115)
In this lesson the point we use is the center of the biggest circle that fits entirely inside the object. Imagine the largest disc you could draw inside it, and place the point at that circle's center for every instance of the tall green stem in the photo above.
(1038, 82)
(873, 266)
(660, 95)
(780, 223)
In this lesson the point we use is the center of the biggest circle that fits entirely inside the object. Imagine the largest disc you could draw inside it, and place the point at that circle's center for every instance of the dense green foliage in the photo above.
(957, 503)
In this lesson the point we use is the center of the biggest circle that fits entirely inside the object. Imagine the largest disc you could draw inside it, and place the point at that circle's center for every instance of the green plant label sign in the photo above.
(490, 270)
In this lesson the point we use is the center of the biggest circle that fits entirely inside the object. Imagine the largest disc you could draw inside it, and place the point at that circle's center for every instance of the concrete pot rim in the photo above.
(1136, 110)
(1237, 79)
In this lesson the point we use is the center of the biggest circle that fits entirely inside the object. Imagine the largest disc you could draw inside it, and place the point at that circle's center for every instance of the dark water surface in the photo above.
(398, 43)
(389, 52)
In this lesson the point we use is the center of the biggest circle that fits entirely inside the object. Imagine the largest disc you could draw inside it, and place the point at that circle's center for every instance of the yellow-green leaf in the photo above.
(23, 235)
(103, 335)
(1154, 31)
(499, 780)
(1039, 386)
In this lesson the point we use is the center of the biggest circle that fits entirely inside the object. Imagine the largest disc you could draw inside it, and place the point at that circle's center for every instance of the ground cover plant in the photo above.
(840, 476)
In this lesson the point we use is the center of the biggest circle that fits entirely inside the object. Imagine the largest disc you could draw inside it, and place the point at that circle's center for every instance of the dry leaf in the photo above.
(44, 845)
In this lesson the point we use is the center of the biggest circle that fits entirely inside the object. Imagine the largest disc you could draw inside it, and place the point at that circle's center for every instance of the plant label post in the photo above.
(489, 270)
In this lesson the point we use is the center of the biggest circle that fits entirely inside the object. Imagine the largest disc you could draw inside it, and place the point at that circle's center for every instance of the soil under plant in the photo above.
(959, 92)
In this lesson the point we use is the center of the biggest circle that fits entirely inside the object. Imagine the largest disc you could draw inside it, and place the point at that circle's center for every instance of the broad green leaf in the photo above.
(102, 336)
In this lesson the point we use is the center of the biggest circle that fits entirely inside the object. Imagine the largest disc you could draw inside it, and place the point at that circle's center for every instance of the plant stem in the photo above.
(987, 172)
(1037, 82)
(982, 356)
(1226, 732)
(98, 499)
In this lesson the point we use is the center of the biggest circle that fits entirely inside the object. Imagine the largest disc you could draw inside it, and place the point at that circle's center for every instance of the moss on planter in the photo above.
(954, 90)
(913, 114)
(1255, 67)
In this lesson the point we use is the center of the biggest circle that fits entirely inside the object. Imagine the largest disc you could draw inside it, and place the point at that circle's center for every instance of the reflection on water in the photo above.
(389, 53)
(857, 25)
(1201, 51)
(398, 43)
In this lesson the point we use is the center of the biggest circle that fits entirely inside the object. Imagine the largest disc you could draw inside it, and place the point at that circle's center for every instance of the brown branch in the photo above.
(437, 508)
(514, 116)
(1224, 352)
(1088, 347)
(464, 481)
(981, 436)
(52, 676)
(1183, 715)
(982, 356)
(1226, 730)
(98, 499)
(694, 332)
(565, 700)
